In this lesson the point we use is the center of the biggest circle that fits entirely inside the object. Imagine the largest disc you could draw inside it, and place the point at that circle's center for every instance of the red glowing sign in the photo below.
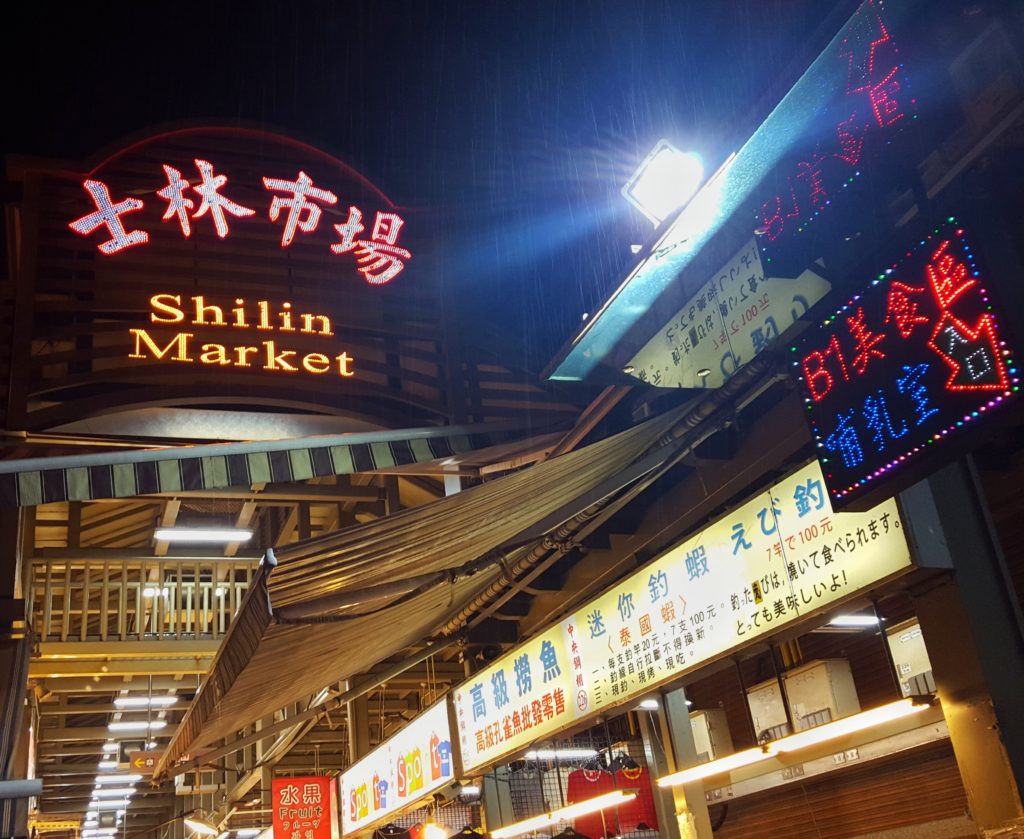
(900, 367)
(873, 101)
(304, 808)
(379, 258)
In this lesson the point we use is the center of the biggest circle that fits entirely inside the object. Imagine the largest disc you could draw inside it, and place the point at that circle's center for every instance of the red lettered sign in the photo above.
(304, 808)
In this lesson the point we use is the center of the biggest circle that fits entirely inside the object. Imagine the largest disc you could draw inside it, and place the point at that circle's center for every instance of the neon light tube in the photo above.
(202, 534)
(145, 701)
(582, 808)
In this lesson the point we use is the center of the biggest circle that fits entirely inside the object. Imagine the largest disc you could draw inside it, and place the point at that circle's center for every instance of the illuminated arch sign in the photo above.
(240, 250)
(913, 360)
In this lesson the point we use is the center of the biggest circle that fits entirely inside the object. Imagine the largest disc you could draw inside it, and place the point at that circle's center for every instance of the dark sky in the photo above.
(511, 125)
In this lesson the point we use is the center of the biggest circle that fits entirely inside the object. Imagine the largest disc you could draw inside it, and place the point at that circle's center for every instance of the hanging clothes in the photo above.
(584, 784)
(638, 814)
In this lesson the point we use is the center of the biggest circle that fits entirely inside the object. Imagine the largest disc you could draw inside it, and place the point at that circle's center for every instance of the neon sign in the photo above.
(899, 368)
(297, 205)
(241, 316)
(869, 107)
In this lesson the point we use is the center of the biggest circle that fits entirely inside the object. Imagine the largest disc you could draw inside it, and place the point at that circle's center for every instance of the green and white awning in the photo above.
(29, 482)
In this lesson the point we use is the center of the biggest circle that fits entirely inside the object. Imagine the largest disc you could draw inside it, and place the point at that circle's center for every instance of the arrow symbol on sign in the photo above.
(972, 354)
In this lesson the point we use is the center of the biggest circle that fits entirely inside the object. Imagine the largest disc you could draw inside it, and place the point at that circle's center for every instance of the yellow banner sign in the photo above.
(780, 556)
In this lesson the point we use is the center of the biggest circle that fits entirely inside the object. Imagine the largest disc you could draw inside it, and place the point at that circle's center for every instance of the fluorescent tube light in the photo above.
(107, 764)
(109, 805)
(560, 754)
(853, 621)
(649, 705)
(246, 832)
(572, 811)
(140, 725)
(118, 779)
(202, 534)
(145, 701)
(113, 792)
(810, 737)
(470, 790)
(849, 725)
(714, 767)
(110, 747)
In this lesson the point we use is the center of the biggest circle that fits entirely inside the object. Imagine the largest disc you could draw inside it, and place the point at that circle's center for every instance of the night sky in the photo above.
(510, 126)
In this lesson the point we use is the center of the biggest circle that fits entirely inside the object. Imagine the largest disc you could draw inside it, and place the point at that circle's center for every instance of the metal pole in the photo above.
(21, 789)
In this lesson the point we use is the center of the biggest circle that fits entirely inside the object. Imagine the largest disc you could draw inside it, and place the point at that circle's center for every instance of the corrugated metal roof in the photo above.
(265, 664)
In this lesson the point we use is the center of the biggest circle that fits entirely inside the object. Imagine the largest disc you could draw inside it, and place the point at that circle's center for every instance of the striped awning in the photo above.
(29, 482)
(269, 659)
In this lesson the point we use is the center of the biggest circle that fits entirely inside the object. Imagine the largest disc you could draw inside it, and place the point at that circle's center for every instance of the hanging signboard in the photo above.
(304, 808)
(732, 318)
(404, 769)
(779, 557)
(916, 358)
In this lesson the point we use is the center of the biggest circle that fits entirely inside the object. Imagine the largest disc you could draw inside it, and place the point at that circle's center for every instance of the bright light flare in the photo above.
(665, 180)
(202, 534)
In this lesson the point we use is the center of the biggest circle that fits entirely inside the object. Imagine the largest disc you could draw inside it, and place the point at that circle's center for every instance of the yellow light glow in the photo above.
(715, 767)
(581, 808)
(849, 725)
(200, 826)
(434, 831)
(811, 737)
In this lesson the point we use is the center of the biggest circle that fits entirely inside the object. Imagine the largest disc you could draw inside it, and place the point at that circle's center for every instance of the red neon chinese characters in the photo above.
(380, 259)
(215, 203)
(851, 139)
(109, 215)
(819, 379)
(866, 342)
(809, 171)
(902, 309)
(947, 276)
(302, 213)
(177, 203)
(883, 99)
(973, 355)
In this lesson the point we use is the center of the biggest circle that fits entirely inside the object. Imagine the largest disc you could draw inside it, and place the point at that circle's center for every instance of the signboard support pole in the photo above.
(358, 718)
(497, 799)
(690, 808)
(971, 627)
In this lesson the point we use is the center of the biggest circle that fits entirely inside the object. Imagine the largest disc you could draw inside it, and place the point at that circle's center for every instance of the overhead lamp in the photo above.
(123, 778)
(811, 737)
(246, 832)
(202, 534)
(113, 792)
(151, 744)
(649, 705)
(145, 701)
(853, 621)
(572, 811)
(107, 764)
(149, 591)
(139, 725)
(198, 822)
(109, 805)
(664, 181)
(111, 747)
(560, 754)
(470, 790)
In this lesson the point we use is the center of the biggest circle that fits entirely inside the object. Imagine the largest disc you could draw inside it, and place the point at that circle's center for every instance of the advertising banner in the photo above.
(304, 808)
(782, 555)
(732, 318)
(414, 763)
